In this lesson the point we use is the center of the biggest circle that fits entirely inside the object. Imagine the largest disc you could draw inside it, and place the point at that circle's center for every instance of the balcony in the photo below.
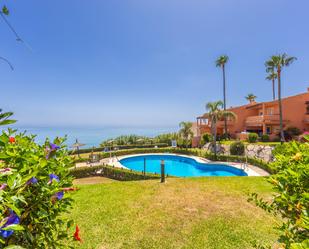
(306, 120)
(220, 124)
(262, 119)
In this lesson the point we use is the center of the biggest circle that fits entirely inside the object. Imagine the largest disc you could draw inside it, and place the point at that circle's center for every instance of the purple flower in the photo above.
(3, 186)
(52, 177)
(54, 147)
(59, 195)
(50, 151)
(10, 220)
(32, 180)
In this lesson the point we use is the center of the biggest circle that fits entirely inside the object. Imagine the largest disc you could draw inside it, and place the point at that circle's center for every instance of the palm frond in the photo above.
(222, 60)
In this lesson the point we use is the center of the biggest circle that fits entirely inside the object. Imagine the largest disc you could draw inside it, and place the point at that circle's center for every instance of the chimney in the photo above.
(308, 89)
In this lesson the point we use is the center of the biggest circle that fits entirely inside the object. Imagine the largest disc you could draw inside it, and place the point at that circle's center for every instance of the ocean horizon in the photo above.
(90, 136)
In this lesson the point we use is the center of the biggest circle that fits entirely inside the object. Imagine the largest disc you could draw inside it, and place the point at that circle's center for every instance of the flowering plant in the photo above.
(291, 194)
(34, 196)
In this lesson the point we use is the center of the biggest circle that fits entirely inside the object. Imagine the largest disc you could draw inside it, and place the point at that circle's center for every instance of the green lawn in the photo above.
(182, 213)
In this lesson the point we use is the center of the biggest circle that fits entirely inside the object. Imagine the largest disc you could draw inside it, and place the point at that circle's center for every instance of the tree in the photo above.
(186, 131)
(272, 76)
(220, 62)
(215, 114)
(251, 97)
(278, 62)
(4, 118)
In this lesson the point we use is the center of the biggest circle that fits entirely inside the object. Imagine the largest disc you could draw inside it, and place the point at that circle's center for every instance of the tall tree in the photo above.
(272, 76)
(220, 62)
(251, 97)
(4, 118)
(215, 114)
(277, 63)
(186, 131)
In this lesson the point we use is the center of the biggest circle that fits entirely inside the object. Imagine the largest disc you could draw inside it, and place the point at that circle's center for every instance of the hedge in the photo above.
(111, 172)
(195, 152)
(120, 147)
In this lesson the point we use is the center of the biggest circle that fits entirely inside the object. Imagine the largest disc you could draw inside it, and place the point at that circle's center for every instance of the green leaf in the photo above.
(5, 10)
(14, 227)
(3, 156)
(7, 122)
(14, 247)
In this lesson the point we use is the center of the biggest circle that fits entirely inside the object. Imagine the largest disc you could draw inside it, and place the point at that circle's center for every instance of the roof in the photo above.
(257, 105)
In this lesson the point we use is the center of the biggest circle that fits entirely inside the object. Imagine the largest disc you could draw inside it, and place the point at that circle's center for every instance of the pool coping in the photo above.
(249, 169)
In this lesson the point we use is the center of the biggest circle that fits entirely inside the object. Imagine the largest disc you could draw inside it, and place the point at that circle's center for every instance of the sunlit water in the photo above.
(179, 166)
(90, 136)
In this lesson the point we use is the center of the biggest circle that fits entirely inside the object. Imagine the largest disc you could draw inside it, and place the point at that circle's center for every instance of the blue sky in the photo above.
(137, 62)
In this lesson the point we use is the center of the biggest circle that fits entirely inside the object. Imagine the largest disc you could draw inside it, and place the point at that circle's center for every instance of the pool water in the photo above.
(179, 166)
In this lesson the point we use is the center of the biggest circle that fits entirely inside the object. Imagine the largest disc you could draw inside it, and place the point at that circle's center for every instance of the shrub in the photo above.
(120, 147)
(265, 138)
(252, 137)
(34, 180)
(291, 132)
(206, 138)
(291, 197)
(113, 173)
(237, 148)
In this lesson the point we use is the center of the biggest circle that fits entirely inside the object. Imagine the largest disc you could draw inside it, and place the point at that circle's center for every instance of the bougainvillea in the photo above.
(291, 199)
(34, 192)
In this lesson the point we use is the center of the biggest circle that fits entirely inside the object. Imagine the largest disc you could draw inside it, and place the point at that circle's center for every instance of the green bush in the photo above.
(206, 138)
(293, 131)
(265, 138)
(252, 137)
(120, 147)
(237, 148)
(112, 172)
(291, 196)
(34, 185)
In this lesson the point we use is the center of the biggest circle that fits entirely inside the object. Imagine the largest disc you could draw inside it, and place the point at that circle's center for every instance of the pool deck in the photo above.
(250, 170)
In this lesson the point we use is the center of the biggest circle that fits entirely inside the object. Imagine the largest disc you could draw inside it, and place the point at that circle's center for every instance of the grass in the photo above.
(182, 213)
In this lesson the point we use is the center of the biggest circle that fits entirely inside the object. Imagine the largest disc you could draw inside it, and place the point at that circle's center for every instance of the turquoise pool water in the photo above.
(179, 166)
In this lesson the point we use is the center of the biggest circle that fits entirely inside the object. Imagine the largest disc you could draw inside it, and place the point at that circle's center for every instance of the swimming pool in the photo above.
(180, 166)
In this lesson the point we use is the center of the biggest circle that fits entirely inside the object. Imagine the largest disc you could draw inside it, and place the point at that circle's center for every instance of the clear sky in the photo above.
(139, 62)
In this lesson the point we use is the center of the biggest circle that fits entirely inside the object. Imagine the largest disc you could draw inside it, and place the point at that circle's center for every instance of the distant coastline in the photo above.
(89, 135)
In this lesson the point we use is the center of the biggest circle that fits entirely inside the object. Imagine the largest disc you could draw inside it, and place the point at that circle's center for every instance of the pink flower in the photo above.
(3, 186)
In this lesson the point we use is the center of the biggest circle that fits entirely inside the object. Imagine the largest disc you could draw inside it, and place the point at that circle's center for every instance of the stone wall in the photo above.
(263, 152)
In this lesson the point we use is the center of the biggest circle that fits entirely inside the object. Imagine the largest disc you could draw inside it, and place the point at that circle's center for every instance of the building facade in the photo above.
(261, 118)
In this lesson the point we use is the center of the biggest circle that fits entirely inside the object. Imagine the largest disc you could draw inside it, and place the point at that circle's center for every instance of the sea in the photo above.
(89, 136)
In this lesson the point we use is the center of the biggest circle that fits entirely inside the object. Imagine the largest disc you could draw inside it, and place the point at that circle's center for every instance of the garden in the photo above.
(42, 209)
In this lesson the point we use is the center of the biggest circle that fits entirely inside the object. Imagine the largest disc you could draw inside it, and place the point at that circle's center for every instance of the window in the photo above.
(268, 130)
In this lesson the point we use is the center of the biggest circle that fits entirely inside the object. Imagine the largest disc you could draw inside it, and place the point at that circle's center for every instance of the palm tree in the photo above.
(272, 76)
(186, 131)
(220, 62)
(215, 114)
(277, 62)
(251, 97)
(4, 118)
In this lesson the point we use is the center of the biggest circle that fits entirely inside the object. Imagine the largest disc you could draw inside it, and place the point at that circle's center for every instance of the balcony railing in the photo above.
(261, 119)
(228, 123)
